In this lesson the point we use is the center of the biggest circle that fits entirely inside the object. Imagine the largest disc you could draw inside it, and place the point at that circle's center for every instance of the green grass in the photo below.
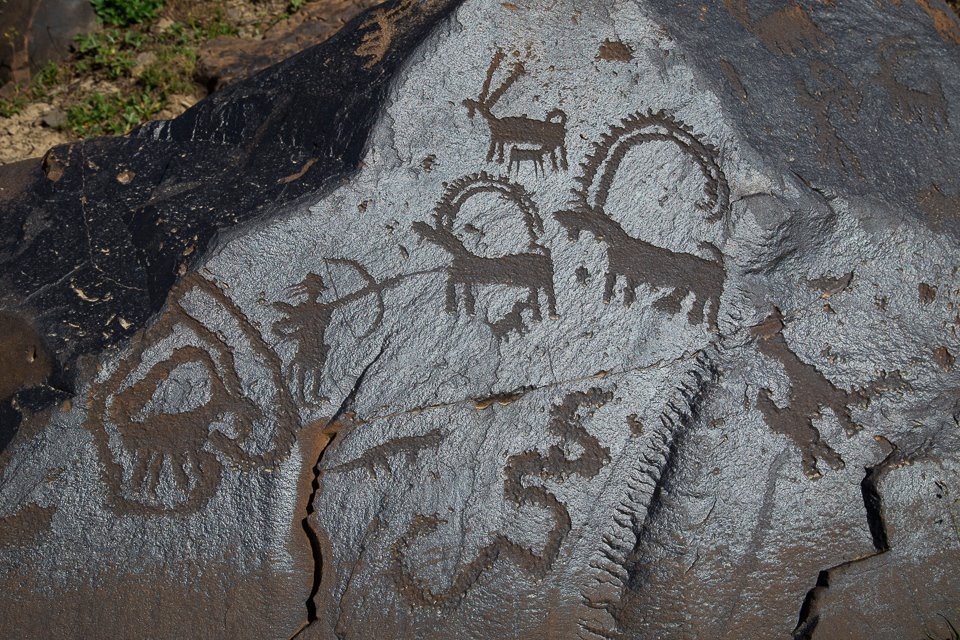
(112, 56)
(101, 115)
(120, 13)
(111, 52)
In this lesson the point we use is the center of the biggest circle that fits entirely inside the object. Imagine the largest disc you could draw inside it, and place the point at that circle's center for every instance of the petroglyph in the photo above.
(619, 562)
(520, 488)
(378, 457)
(828, 93)
(163, 427)
(543, 137)
(532, 271)
(810, 393)
(306, 323)
(636, 261)
(787, 31)
(922, 105)
(385, 23)
(533, 156)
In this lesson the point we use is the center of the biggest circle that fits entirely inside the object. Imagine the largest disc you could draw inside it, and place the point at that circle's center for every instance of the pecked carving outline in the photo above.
(531, 270)
(181, 438)
(548, 135)
(637, 261)
(566, 424)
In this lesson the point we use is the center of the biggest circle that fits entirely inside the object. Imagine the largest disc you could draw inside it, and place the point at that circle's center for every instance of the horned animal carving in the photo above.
(519, 154)
(541, 137)
(531, 270)
(638, 261)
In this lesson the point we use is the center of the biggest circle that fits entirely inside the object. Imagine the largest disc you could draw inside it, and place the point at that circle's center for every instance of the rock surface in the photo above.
(34, 33)
(536, 320)
(227, 59)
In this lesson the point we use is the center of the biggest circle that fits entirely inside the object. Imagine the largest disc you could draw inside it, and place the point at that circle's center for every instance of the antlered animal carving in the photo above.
(548, 135)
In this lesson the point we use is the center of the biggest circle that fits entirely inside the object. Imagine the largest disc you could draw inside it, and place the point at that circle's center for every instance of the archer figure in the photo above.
(306, 324)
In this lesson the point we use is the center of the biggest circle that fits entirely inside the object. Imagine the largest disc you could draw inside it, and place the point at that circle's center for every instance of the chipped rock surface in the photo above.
(611, 320)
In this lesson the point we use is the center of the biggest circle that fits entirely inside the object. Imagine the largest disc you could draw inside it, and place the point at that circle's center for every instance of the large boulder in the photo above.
(554, 319)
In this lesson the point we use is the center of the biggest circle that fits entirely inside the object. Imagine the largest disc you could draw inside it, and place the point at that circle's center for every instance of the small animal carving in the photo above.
(520, 154)
(549, 135)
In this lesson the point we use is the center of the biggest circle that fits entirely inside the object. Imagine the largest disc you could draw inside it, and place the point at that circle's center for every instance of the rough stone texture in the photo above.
(34, 33)
(225, 60)
(632, 319)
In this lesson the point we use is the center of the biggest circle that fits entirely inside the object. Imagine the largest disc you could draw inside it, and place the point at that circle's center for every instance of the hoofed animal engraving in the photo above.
(390, 21)
(378, 457)
(520, 154)
(520, 487)
(163, 415)
(531, 270)
(637, 261)
(547, 136)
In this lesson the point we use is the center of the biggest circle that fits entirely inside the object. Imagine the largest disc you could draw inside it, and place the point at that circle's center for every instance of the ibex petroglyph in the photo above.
(549, 134)
(640, 262)
(531, 271)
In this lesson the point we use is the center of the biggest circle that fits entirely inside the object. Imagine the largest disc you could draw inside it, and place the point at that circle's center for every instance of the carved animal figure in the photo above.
(549, 134)
(640, 262)
(519, 154)
(532, 271)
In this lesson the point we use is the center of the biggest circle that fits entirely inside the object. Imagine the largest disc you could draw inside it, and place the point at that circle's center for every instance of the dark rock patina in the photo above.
(502, 320)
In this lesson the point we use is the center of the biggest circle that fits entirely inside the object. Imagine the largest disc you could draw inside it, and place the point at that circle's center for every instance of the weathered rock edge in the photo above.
(96, 233)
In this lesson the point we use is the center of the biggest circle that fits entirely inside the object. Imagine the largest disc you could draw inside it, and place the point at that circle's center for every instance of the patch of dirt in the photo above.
(24, 135)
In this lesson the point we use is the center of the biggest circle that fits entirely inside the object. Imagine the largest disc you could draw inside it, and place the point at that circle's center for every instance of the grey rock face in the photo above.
(637, 321)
